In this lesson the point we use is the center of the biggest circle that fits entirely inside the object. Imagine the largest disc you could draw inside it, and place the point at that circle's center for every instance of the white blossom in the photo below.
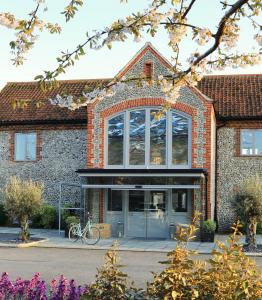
(258, 38)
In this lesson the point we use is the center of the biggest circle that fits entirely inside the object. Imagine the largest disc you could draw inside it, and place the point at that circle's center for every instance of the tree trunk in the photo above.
(24, 234)
(251, 240)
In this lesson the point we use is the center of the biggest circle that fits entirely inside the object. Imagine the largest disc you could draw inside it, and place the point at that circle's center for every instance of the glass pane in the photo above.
(246, 142)
(136, 201)
(114, 200)
(157, 139)
(179, 200)
(31, 146)
(137, 137)
(179, 140)
(258, 142)
(157, 201)
(20, 146)
(116, 140)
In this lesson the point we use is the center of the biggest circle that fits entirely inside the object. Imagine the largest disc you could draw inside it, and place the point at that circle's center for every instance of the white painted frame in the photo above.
(252, 131)
(147, 165)
(16, 146)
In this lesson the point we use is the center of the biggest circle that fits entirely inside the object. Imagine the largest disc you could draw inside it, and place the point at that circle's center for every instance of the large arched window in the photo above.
(136, 138)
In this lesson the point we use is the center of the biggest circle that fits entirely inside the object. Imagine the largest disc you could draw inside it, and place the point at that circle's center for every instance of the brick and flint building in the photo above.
(137, 170)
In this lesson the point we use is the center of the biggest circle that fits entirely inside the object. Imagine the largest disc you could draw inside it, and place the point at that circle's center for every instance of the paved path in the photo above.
(80, 264)
(54, 240)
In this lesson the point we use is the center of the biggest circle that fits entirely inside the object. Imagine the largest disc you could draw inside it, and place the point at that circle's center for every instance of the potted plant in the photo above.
(208, 231)
(68, 222)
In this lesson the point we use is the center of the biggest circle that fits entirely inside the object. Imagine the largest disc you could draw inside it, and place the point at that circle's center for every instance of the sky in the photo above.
(96, 14)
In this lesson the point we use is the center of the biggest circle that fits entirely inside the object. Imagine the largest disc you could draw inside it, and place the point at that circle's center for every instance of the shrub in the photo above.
(111, 282)
(248, 204)
(209, 226)
(45, 217)
(229, 274)
(3, 215)
(48, 216)
(71, 220)
(36, 288)
(22, 199)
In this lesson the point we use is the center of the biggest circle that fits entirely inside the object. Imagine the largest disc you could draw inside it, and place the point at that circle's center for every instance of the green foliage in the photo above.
(22, 200)
(209, 226)
(259, 228)
(46, 217)
(111, 282)
(71, 220)
(248, 204)
(3, 215)
(229, 274)
(248, 199)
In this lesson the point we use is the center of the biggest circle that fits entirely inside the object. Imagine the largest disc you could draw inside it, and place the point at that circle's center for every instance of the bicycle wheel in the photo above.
(92, 236)
(73, 233)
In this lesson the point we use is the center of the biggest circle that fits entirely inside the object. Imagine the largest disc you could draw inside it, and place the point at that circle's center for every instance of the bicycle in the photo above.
(89, 234)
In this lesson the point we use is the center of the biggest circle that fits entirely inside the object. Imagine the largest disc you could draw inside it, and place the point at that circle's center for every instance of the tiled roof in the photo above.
(235, 96)
(47, 113)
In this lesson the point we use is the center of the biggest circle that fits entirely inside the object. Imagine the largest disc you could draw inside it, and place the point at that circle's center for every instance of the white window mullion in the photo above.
(126, 139)
(147, 138)
(253, 142)
(169, 138)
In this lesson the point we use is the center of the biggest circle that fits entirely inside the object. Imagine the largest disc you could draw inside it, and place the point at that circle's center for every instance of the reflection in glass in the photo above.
(179, 140)
(136, 201)
(157, 139)
(116, 140)
(157, 201)
(137, 137)
(246, 142)
(25, 146)
(179, 200)
(258, 142)
(114, 200)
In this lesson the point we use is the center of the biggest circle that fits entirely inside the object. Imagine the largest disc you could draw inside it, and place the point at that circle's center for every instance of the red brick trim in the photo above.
(121, 107)
(148, 69)
(139, 56)
(38, 145)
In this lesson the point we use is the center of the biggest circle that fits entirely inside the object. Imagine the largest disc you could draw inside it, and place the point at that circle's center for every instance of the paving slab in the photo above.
(52, 239)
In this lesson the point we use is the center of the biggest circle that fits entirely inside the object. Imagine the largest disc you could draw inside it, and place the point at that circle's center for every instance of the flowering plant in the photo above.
(37, 289)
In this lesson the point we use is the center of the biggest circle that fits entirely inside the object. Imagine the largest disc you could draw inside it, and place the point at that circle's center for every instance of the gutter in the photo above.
(43, 122)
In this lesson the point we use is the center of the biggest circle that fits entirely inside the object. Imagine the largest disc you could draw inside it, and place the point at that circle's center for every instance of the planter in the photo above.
(66, 231)
(208, 237)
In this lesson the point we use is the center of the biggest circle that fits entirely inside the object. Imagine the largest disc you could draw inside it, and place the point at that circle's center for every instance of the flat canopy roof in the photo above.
(142, 172)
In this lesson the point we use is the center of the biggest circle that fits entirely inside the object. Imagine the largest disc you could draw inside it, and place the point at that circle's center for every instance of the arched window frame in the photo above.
(169, 164)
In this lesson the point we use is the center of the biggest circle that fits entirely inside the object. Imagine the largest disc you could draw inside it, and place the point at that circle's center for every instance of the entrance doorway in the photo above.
(147, 214)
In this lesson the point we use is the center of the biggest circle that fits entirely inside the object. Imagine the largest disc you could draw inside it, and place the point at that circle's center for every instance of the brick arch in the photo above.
(133, 103)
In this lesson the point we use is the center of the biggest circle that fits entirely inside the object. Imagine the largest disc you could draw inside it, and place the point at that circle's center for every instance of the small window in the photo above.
(25, 146)
(251, 142)
(148, 69)
(114, 200)
(179, 200)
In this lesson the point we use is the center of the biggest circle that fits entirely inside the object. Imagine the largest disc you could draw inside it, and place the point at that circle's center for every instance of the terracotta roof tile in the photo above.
(235, 96)
(30, 90)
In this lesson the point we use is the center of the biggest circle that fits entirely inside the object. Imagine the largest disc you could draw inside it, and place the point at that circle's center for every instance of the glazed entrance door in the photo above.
(156, 220)
(136, 221)
(146, 214)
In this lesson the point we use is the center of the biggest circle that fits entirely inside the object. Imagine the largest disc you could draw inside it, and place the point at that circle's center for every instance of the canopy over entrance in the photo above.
(130, 179)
